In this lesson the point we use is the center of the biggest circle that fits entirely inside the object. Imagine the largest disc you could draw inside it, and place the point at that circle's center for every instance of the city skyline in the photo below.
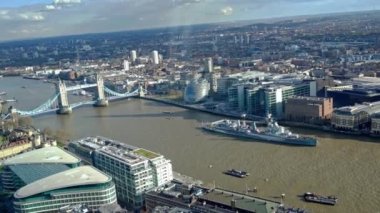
(44, 18)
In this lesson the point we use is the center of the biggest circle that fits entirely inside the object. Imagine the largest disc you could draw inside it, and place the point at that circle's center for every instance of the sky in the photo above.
(24, 19)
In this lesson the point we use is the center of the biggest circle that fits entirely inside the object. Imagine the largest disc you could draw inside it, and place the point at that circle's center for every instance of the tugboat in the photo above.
(327, 200)
(237, 173)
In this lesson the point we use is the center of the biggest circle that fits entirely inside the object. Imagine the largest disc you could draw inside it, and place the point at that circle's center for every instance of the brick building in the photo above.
(308, 109)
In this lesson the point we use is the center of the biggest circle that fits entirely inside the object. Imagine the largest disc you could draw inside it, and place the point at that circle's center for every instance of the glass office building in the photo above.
(82, 185)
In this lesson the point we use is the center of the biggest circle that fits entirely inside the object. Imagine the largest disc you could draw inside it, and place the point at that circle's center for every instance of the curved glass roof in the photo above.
(79, 176)
(44, 155)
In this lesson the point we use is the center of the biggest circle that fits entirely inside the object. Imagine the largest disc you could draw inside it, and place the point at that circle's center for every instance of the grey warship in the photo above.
(271, 132)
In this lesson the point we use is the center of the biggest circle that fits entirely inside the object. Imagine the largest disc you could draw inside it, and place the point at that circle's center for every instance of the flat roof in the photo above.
(79, 176)
(370, 108)
(29, 173)
(44, 155)
(146, 153)
(245, 202)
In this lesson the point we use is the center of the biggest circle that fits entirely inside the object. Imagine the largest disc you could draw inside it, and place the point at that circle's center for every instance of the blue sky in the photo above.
(40, 18)
(18, 3)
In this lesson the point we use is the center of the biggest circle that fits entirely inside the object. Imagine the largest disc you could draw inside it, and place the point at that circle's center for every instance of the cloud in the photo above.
(227, 11)
(32, 16)
(50, 7)
(67, 1)
(62, 17)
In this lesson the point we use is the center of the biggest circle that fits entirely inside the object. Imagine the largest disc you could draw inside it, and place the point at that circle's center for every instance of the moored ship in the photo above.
(270, 132)
(328, 200)
(237, 173)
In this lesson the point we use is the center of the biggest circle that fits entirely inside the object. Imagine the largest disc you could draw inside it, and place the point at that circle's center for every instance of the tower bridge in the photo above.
(59, 102)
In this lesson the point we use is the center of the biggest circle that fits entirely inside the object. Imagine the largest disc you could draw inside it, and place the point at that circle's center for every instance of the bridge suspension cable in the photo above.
(45, 107)
(111, 92)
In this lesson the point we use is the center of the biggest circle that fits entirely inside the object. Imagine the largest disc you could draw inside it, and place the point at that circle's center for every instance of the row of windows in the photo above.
(89, 194)
(51, 206)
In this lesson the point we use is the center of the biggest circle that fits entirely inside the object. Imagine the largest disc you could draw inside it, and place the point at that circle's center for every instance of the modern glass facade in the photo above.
(93, 196)
(34, 165)
(262, 100)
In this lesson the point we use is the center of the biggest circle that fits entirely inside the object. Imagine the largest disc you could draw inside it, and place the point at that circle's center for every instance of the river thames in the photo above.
(345, 166)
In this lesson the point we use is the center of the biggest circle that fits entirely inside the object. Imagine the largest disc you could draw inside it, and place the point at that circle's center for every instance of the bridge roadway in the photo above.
(80, 86)
(73, 106)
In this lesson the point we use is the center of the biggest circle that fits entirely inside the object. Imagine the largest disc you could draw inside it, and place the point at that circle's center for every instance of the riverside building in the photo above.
(134, 170)
(82, 185)
(354, 117)
(267, 97)
(48, 179)
(31, 166)
(308, 109)
(375, 124)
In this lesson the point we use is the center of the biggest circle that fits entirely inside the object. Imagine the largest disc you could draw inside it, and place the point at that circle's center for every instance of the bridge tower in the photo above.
(141, 91)
(63, 102)
(101, 100)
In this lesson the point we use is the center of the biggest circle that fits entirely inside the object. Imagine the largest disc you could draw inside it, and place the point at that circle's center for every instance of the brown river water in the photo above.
(345, 166)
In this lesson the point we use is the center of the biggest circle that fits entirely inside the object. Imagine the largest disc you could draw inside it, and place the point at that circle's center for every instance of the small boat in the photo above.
(3, 93)
(315, 198)
(10, 100)
(237, 173)
(167, 112)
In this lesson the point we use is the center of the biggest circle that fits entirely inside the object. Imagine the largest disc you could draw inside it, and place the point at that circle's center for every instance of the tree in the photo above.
(61, 135)
(48, 132)
(25, 121)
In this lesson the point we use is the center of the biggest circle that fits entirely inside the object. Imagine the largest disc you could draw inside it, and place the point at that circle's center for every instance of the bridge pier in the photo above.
(101, 100)
(63, 103)
(101, 103)
(64, 110)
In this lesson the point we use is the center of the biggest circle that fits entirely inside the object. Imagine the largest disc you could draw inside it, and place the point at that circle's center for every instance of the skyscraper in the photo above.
(133, 56)
(209, 65)
(155, 57)
(126, 65)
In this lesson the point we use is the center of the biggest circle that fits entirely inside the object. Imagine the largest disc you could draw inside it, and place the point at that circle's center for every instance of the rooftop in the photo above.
(125, 155)
(308, 98)
(45, 155)
(29, 173)
(122, 151)
(244, 202)
(79, 176)
(248, 75)
(146, 153)
(370, 108)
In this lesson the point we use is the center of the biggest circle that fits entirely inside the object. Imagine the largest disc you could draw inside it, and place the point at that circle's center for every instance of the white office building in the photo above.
(155, 57)
(126, 65)
(133, 56)
(134, 170)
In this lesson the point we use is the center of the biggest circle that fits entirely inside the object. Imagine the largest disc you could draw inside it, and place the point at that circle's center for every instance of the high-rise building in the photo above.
(209, 65)
(155, 57)
(134, 170)
(133, 56)
(126, 65)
